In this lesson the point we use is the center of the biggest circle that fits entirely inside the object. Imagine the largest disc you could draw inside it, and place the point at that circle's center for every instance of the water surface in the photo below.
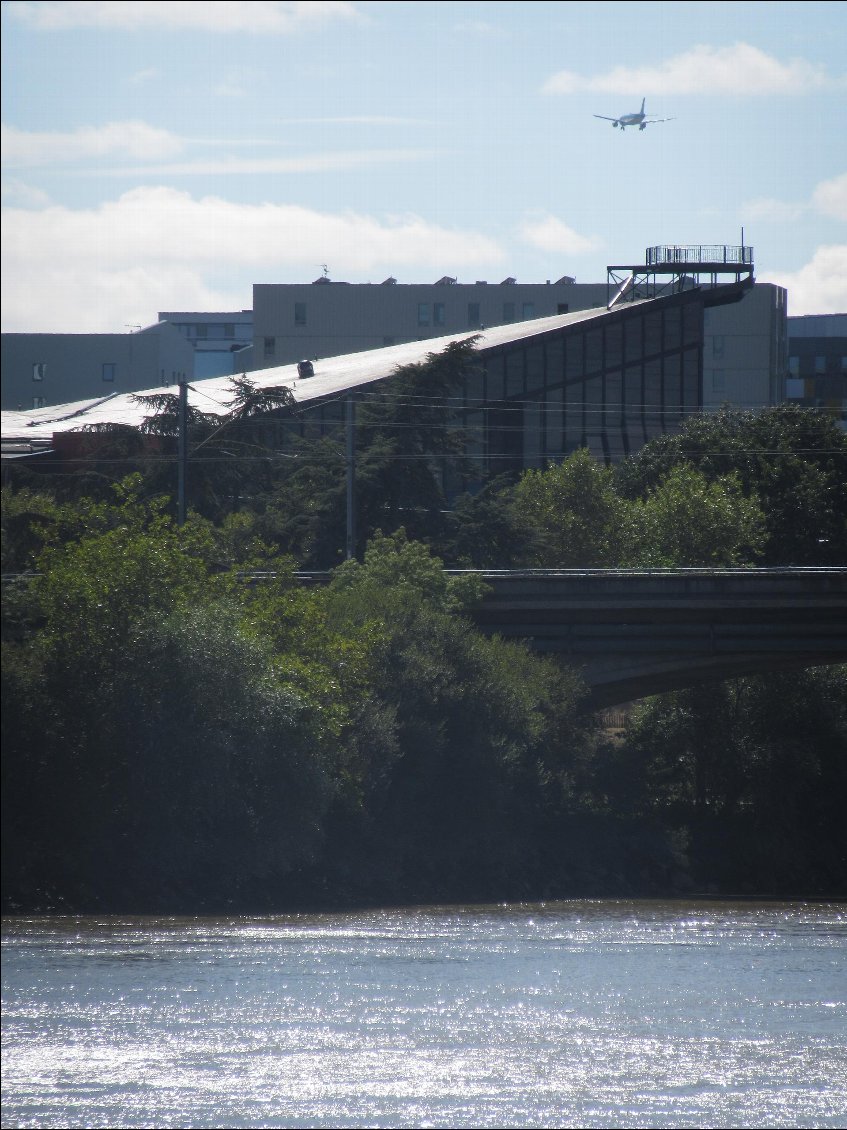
(606, 1013)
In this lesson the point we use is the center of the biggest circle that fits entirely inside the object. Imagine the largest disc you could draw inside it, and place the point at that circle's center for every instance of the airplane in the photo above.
(640, 119)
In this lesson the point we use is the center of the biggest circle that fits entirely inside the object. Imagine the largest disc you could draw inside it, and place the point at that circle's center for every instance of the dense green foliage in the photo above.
(733, 488)
(792, 460)
(176, 737)
(751, 773)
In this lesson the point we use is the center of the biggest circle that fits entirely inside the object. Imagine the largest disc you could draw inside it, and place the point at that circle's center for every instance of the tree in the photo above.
(578, 517)
(158, 752)
(229, 454)
(481, 731)
(794, 460)
(407, 447)
(687, 520)
(488, 531)
(750, 774)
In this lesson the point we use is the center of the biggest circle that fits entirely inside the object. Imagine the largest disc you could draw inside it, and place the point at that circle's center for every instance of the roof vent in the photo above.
(565, 279)
(445, 281)
(508, 282)
(390, 281)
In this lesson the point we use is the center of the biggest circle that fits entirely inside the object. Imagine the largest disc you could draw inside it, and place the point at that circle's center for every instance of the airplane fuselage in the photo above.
(639, 119)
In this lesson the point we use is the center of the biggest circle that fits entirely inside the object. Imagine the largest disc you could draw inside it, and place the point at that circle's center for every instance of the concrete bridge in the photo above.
(636, 633)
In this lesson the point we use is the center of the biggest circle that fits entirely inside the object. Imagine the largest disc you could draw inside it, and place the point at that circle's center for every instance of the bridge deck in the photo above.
(640, 632)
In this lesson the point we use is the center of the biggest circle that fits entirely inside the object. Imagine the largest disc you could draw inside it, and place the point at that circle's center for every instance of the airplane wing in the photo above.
(605, 119)
(654, 121)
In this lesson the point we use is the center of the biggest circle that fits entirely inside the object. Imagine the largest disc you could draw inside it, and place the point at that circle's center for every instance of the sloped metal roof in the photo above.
(333, 375)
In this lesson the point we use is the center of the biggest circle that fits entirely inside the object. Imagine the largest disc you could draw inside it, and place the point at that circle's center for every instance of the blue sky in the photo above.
(167, 155)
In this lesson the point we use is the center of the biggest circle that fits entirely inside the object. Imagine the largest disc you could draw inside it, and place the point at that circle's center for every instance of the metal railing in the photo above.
(699, 253)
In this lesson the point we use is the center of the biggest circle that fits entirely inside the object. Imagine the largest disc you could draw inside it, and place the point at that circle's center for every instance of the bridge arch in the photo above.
(640, 632)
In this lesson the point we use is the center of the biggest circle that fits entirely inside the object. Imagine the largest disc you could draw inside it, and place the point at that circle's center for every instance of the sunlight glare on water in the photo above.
(599, 1013)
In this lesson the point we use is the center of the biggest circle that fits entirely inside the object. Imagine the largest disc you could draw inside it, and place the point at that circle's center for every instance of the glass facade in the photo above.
(816, 371)
(609, 383)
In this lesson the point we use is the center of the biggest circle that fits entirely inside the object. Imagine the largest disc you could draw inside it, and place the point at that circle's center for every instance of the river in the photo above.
(592, 1013)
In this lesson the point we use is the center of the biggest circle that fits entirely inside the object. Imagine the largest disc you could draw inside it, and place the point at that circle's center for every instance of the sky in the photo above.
(167, 155)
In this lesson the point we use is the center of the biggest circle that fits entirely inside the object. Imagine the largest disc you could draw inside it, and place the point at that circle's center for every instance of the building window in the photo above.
(794, 365)
(38, 402)
(820, 364)
(39, 371)
(200, 330)
(299, 313)
(229, 329)
(423, 313)
(108, 370)
(270, 346)
(438, 314)
(528, 310)
(508, 311)
(473, 315)
(718, 345)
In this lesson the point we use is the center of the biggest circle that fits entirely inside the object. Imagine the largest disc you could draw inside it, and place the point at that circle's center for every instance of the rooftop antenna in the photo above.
(326, 270)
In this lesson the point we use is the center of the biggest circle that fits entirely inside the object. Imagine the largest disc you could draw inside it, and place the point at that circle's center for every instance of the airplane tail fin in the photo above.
(643, 100)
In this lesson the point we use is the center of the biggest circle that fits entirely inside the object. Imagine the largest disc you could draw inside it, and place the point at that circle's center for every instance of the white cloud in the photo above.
(257, 16)
(231, 88)
(146, 74)
(820, 286)
(358, 120)
(158, 248)
(16, 193)
(551, 234)
(257, 166)
(481, 28)
(142, 142)
(23, 148)
(773, 211)
(830, 197)
(69, 297)
(739, 69)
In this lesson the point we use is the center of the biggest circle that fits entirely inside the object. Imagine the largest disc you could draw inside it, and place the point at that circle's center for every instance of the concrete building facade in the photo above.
(745, 350)
(294, 321)
(534, 391)
(42, 370)
(744, 344)
(222, 341)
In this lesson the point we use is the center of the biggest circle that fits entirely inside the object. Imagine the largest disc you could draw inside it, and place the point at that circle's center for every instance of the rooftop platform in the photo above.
(669, 268)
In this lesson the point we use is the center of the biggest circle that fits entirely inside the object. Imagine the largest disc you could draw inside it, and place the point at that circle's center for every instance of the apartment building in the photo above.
(817, 363)
(294, 321)
(744, 344)
(40, 370)
(222, 341)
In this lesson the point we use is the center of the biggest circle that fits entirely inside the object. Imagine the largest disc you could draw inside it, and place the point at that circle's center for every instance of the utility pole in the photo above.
(182, 449)
(350, 429)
